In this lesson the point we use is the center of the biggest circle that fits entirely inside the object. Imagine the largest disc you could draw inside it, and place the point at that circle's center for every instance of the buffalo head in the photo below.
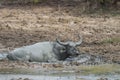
(69, 48)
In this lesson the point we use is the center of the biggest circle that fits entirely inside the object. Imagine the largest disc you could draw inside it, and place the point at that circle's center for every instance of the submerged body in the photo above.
(38, 52)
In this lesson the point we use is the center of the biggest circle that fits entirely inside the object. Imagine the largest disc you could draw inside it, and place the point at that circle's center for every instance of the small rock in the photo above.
(20, 79)
(27, 79)
(103, 79)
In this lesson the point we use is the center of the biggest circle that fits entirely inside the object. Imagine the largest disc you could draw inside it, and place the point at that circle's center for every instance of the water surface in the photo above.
(59, 77)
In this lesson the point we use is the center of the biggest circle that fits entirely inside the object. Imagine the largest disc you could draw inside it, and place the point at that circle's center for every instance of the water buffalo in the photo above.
(46, 51)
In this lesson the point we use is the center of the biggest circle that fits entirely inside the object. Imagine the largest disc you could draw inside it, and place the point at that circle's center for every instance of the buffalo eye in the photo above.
(62, 50)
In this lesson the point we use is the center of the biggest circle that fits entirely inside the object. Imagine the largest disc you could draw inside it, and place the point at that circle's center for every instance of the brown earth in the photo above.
(22, 25)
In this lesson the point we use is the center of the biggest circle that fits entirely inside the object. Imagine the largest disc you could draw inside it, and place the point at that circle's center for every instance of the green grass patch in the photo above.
(111, 40)
(100, 69)
(37, 1)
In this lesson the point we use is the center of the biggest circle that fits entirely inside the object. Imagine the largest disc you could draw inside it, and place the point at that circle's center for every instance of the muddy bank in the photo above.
(54, 68)
(35, 71)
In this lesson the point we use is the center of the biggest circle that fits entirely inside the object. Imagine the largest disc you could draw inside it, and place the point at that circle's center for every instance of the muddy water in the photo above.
(35, 77)
(59, 77)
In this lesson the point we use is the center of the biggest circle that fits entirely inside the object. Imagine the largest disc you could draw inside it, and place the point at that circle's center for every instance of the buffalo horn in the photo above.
(79, 42)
